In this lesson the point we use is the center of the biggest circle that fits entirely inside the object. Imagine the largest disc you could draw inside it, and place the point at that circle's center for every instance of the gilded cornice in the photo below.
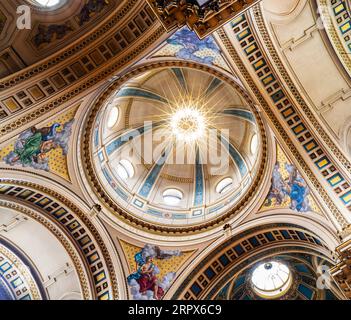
(203, 19)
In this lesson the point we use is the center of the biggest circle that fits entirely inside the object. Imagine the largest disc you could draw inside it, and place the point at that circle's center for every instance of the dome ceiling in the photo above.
(176, 146)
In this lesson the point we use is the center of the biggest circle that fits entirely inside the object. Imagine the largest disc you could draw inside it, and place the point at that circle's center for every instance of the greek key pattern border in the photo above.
(242, 30)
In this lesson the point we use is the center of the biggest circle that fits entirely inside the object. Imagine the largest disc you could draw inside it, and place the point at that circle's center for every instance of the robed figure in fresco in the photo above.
(146, 277)
(33, 146)
(144, 282)
(294, 187)
(36, 145)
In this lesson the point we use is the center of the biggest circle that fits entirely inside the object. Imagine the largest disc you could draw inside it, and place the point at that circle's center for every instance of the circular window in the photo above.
(47, 3)
(254, 144)
(125, 169)
(271, 279)
(112, 117)
(224, 185)
(172, 197)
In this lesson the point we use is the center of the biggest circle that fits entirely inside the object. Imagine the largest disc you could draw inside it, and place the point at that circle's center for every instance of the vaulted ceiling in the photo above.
(84, 209)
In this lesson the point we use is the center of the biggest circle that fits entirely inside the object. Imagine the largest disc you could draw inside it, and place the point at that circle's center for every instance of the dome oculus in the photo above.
(47, 3)
(188, 124)
(271, 279)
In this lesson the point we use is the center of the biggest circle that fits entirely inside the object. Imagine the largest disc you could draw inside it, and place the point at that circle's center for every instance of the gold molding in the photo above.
(203, 20)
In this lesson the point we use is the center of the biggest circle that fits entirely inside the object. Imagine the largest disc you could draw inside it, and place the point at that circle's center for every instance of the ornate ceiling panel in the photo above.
(202, 16)
(101, 77)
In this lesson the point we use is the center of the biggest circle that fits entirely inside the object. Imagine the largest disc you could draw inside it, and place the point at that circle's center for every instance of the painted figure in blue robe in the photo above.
(293, 187)
(191, 45)
(297, 189)
(146, 278)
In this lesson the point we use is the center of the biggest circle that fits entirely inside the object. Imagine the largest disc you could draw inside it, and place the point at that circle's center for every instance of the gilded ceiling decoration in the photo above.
(175, 150)
(202, 16)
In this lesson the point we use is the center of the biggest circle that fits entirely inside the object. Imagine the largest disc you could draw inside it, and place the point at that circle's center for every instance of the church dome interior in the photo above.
(176, 146)
(175, 150)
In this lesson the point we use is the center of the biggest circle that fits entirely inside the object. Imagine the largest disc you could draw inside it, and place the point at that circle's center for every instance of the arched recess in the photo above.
(245, 249)
(18, 275)
(56, 264)
(63, 218)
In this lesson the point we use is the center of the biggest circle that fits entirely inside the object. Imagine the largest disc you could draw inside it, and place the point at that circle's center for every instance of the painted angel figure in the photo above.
(191, 44)
(144, 282)
(297, 189)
